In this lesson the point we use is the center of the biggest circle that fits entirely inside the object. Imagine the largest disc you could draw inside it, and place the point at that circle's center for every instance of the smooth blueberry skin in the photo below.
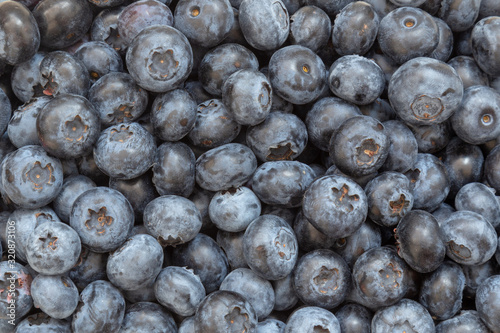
(270, 247)
(380, 277)
(22, 125)
(282, 182)
(172, 220)
(159, 58)
(187, 325)
(407, 33)
(91, 266)
(359, 146)
(281, 136)
(466, 321)
(492, 168)
(204, 23)
(331, 8)
(53, 248)
(99, 58)
(322, 278)
(117, 98)
(21, 36)
(308, 237)
(487, 302)
(429, 182)
(174, 169)
(226, 166)
(214, 125)
(221, 62)
(458, 15)
(19, 177)
(205, 257)
(225, 311)
(255, 14)
(310, 318)
(234, 210)
(425, 90)
(201, 199)
(335, 205)
(179, 290)
(232, 245)
(354, 318)
(355, 29)
(26, 77)
(271, 326)
(63, 73)
(404, 315)
(255, 289)
(124, 151)
(142, 271)
(311, 27)
(356, 79)
(421, 241)
(284, 293)
(477, 121)
(103, 218)
(470, 238)
(68, 126)
(326, 115)
(469, 71)
(22, 283)
(445, 45)
(42, 322)
(101, 309)
(442, 291)
(141, 14)
(147, 316)
(389, 198)
(56, 295)
(433, 137)
(25, 221)
(297, 74)
(173, 114)
(479, 198)
(247, 95)
(105, 28)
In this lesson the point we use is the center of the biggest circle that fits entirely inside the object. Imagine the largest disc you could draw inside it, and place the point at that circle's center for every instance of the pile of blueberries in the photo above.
(265, 166)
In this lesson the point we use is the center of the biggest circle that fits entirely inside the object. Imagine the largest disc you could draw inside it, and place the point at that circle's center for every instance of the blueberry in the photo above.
(335, 205)
(469, 71)
(308, 237)
(41, 322)
(124, 151)
(147, 316)
(271, 326)
(117, 98)
(26, 78)
(56, 295)
(458, 14)
(103, 219)
(405, 315)
(331, 8)
(99, 58)
(356, 79)
(284, 293)
(226, 166)
(445, 45)
(20, 34)
(354, 318)
(479, 198)
(179, 290)
(22, 125)
(255, 289)
(204, 256)
(491, 168)
(21, 278)
(101, 309)
(432, 138)
(484, 47)
(173, 114)
(53, 248)
(467, 320)
(141, 14)
(311, 318)
(204, 23)
(169, 58)
(105, 28)
(297, 74)
(172, 220)
(256, 14)
(355, 28)
(424, 91)
(68, 126)
(225, 311)
(30, 177)
(487, 303)
(232, 245)
(91, 266)
(311, 27)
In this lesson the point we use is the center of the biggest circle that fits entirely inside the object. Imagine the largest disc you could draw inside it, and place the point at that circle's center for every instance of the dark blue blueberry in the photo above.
(458, 14)
(466, 321)
(105, 28)
(310, 319)
(354, 318)
(271, 326)
(55, 295)
(41, 322)
(53, 248)
(172, 220)
(256, 290)
(270, 247)
(179, 290)
(233, 210)
(20, 293)
(492, 168)
(99, 58)
(91, 266)
(204, 23)
(487, 302)
(26, 78)
(479, 198)
(404, 316)
(284, 293)
(148, 317)
(101, 309)
(469, 71)
(310, 27)
(433, 137)
(22, 125)
(445, 45)
(232, 245)
(308, 237)
(103, 218)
